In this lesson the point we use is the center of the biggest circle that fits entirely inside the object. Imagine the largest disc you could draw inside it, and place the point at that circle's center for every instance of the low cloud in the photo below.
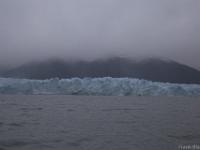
(34, 30)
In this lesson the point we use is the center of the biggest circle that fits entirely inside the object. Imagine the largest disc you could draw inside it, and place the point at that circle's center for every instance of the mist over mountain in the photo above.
(153, 69)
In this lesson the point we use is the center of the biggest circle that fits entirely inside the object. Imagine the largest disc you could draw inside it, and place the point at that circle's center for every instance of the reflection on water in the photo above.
(102, 123)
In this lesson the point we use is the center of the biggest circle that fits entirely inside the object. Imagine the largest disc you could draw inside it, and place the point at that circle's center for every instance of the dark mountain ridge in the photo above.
(150, 69)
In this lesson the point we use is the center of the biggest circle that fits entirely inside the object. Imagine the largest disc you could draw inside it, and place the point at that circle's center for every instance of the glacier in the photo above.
(106, 86)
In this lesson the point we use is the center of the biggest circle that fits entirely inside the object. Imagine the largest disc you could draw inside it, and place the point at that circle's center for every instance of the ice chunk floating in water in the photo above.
(97, 86)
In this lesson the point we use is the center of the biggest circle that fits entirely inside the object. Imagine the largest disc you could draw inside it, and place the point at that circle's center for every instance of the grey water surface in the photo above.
(98, 123)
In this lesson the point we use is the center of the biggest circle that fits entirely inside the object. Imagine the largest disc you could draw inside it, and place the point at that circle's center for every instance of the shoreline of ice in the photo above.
(106, 86)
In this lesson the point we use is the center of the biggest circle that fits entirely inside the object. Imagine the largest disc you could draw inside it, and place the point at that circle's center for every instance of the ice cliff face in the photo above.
(97, 86)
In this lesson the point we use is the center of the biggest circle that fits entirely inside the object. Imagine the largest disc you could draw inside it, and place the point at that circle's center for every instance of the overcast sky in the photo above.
(88, 29)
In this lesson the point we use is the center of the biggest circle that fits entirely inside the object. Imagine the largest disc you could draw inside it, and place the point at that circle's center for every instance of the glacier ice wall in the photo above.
(97, 86)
